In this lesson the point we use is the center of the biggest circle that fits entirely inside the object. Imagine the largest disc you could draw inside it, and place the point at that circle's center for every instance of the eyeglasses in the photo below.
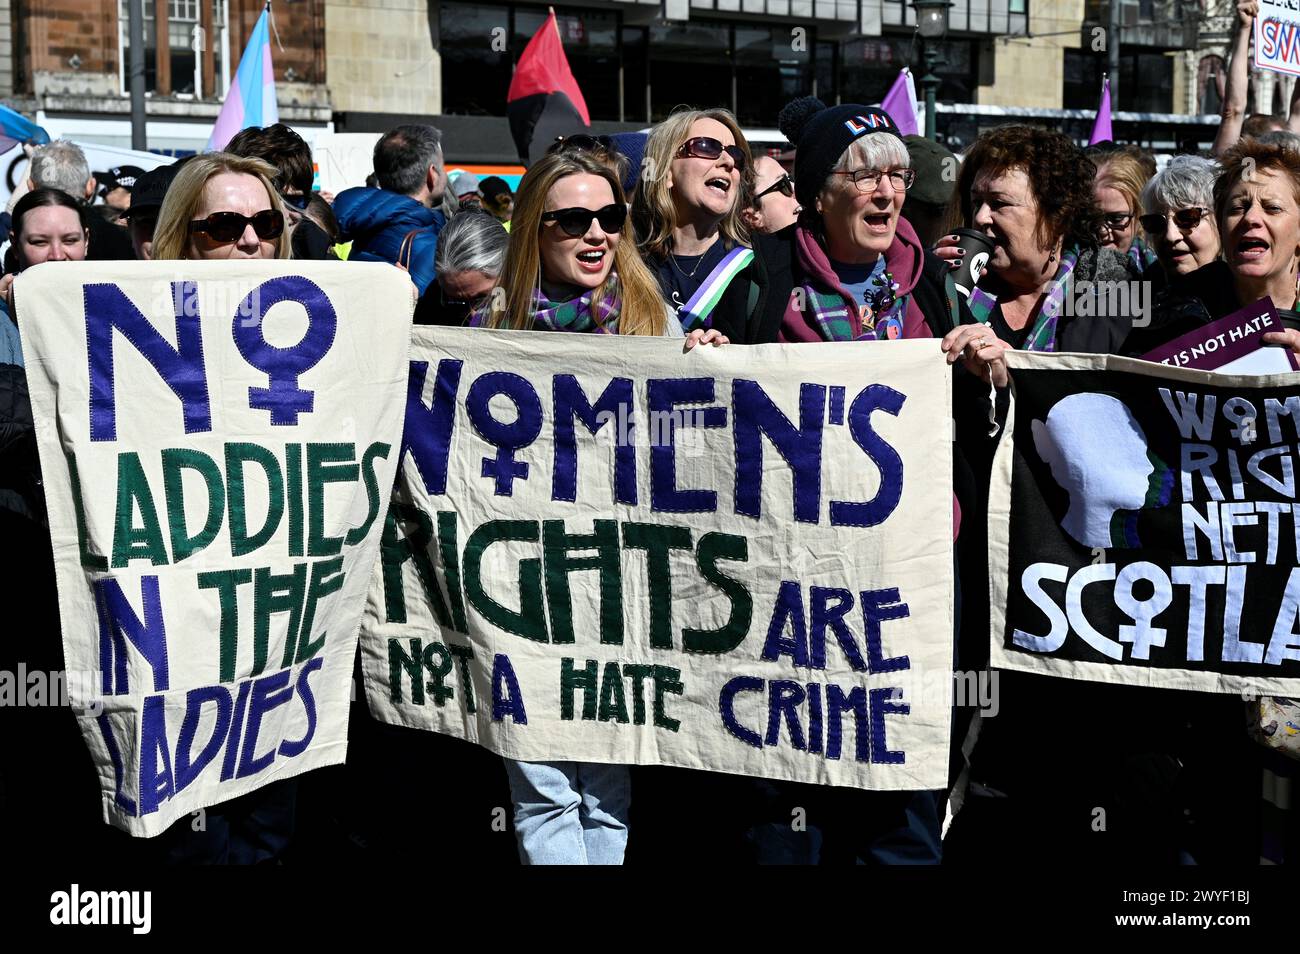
(229, 226)
(575, 222)
(706, 147)
(783, 185)
(1117, 221)
(298, 201)
(1185, 219)
(868, 180)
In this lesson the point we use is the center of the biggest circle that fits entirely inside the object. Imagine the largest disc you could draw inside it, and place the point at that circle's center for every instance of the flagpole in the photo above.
(135, 73)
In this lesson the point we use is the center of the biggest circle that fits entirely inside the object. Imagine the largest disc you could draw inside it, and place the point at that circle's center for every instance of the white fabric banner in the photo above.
(738, 559)
(218, 442)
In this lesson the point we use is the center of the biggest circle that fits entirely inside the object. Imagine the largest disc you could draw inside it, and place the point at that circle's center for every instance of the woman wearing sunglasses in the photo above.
(572, 265)
(221, 206)
(695, 175)
(773, 206)
(1179, 222)
(1256, 208)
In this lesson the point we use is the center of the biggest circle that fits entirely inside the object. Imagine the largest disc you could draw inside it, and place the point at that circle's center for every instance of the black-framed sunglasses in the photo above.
(1185, 219)
(1117, 221)
(229, 226)
(457, 310)
(575, 222)
(706, 147)
(784, 185)
(299, 201)
(868, 180)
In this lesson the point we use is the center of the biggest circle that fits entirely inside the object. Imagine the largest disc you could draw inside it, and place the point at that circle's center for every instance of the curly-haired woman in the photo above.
(1029, 190)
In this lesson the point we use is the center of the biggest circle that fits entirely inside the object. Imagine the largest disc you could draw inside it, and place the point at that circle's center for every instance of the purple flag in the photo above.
(900, 103)
(1101, 128)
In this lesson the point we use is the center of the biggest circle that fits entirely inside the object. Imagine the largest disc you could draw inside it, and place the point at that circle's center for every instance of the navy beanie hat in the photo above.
(632, 146)
(821, 133)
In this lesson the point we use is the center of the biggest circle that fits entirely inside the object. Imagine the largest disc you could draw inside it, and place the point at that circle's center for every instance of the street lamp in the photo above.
(931, 25)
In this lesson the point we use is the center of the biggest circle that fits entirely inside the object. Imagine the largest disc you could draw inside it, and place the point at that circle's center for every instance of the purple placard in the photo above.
(1220, 342)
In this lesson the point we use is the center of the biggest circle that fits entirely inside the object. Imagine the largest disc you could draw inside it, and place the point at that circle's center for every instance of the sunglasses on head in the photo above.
(583, 143)
(299, 201)
(782, 185)
(1185, 219)
(575, 222)
(229, 226)
(706, 147)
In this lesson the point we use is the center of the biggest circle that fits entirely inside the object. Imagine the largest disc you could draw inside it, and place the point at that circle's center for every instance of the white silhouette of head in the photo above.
(1098, 454)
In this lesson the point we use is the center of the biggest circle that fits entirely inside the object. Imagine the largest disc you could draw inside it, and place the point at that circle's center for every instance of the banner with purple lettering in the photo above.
(1143, 526)
(218, 441)
(737, 559)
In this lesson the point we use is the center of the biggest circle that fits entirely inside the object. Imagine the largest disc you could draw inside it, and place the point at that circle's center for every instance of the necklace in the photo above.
(672, 257)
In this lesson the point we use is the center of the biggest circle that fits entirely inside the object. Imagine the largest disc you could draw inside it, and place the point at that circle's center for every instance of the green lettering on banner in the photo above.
(556, 547)
(396, 549)
(667, 680)
(293, 478)
(657, 540)
(130, 542)
(463, 656)
(399, 661)
(638, 673)
(174, 461)
(530, 619)
(440, 671)
(572, 681)
(238, 454)
(326, 464)
(714, 547)
(275, 593)
(613, 701)
(326, 578)
(451, 569)
(226, 583)
(373, 497)
(89, 559)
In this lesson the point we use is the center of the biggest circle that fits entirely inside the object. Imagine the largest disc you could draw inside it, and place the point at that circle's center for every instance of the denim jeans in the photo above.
(570, 813)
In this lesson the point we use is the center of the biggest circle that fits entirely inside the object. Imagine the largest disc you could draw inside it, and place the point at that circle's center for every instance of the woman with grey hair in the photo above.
(857, 270)
(1179, 219)
(471, 251)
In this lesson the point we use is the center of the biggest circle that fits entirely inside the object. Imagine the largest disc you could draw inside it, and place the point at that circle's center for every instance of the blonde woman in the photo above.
(221, 206)
(696, 180)
(572, 265)
(1121, 177)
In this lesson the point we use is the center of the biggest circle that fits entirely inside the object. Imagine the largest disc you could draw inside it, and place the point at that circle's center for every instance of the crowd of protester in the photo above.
(685, 233)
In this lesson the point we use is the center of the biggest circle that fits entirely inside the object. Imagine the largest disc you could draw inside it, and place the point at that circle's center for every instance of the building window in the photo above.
(187, 41)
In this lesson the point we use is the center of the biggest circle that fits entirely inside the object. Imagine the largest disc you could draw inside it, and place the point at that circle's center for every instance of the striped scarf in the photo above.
(1042, 337)
(881, 318)
(1141, 255)
(577, 314)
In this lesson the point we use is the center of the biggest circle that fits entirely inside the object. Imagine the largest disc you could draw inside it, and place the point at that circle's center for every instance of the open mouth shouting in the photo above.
(719, 185)
(877, 222)
(1251, 249)
(592, 260)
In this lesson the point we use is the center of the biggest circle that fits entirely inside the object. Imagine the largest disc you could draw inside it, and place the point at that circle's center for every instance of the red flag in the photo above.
(543, 92)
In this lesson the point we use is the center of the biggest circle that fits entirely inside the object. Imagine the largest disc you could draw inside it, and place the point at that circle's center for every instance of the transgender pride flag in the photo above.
(250, 101)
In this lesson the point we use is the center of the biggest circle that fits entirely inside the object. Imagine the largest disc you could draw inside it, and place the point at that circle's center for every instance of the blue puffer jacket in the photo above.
(377, 221)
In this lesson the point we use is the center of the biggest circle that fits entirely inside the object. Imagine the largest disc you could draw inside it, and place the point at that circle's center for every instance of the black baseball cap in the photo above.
(151, 188)
(123, 177)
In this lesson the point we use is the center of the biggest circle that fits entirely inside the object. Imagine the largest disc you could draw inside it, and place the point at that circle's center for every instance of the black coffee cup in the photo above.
(978, 249)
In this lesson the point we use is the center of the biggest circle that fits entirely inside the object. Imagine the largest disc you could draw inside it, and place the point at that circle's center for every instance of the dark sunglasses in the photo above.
(299, 202)
(706, 147)
(1185, 219)
(782, 185)
(1117, 221)
(457, 310)
(229, 226)
(575, 222)
(583, 143)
